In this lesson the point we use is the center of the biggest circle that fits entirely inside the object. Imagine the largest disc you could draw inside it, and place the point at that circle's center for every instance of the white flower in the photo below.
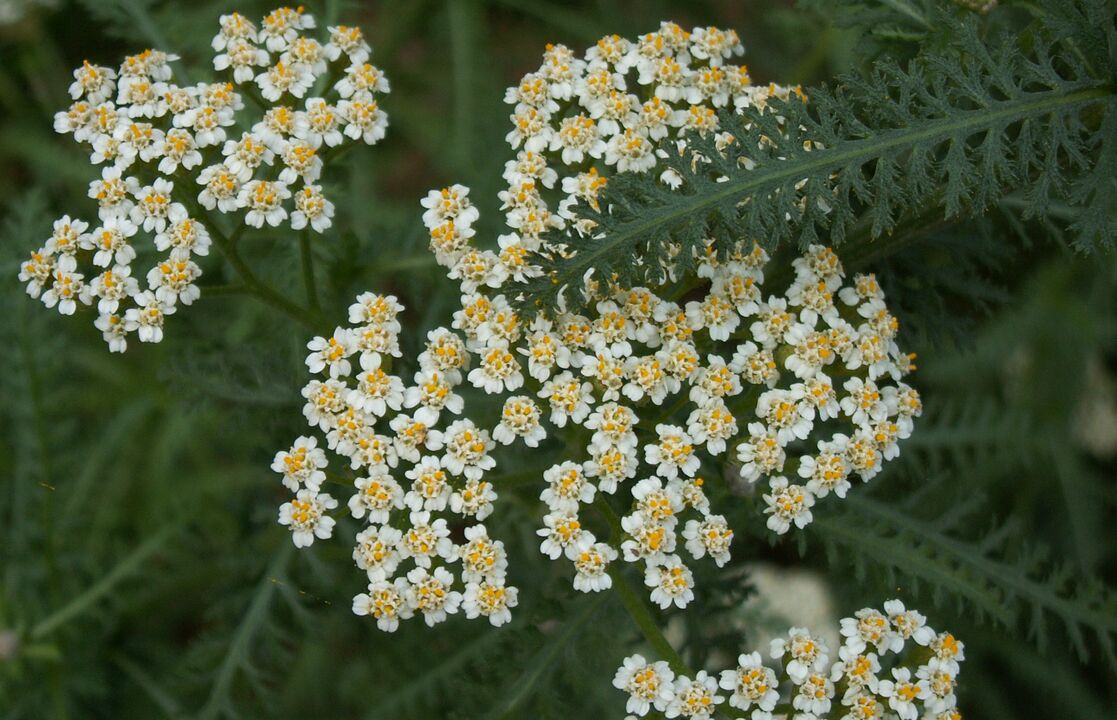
(154, 206)
(908, 624)
(301, 162)
(113, 193)
(787, 505)
(242, 56)
(562, 532)
(567, 487)
(467, 449)
(761, 454)
(264, 200)
(233, 27)
(386, 601)
(426, 539)
(430, 487)
(301, 465)
(939, 678)
(221, 188)
(305, 515)
(864, 403)
(173, 281)
(829, 470)
(362, 81)
(207, 122)
(568, 397)
(183, 237)
(857, 668)
(948, 649)
(787, 413)
(591, 563)
(364, 119)
(285, 78)
(94, 83)
(113, 331)
(647, 684)
(450, 203)
(712, 423)
(671, 583)
(902, 693)
(695, 698)
(648, 540)
(806, 654)
(814, 695)
(498, 370)
(482, 558)
(431, 594)
(611, 465)
(474, 499)
(349, 41)
(325, 400)
(491, 599)
(111, 287)
(752, 684)
(434, 391)
(520, 417)
(331, 353)
(657, 503)
(376, 390)
(243, 156)
(630, 151)
(715, 380)
(146, 320)
(710, 535)
(377, 495)
(672, 453)
(375, 551)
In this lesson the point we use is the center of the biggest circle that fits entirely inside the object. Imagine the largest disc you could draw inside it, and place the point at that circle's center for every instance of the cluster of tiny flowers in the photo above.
(891, 666)
(808, 380)
(577, 120)
(418, 464)
(571, 371)
(163, 147)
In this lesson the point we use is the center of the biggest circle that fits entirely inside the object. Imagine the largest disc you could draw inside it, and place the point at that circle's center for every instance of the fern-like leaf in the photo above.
(1018, 589)
(957, 128)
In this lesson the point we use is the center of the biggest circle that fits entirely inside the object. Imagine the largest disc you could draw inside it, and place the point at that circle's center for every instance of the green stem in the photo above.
(638, 610)
(306, 257)
(252, 284)
(79, 604)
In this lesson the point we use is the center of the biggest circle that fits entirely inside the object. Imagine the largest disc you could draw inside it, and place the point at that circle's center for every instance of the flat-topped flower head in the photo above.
(262, 161)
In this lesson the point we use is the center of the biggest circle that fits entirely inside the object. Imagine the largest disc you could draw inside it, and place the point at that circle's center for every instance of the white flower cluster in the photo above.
(576, 120)
(817, 370)
(806, 381)
(155, 140)
(411, 476)
(891, 665)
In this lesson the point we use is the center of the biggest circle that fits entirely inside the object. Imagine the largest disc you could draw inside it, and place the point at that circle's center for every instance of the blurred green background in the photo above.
(143, 575)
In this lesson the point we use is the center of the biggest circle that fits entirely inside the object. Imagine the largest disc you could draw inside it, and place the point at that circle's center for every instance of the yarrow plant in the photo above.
(891, 664)
(174, 156)
(674, 337)
(805, 380)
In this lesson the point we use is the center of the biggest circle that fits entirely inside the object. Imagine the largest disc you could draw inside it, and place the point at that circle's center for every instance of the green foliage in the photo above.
(926, 557)
(957, 129)
(142, 569)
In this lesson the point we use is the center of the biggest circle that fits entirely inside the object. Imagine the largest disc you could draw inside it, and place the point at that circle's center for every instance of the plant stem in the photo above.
(638, 610)
(307, 260)
(94, 593)
(252, 284)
